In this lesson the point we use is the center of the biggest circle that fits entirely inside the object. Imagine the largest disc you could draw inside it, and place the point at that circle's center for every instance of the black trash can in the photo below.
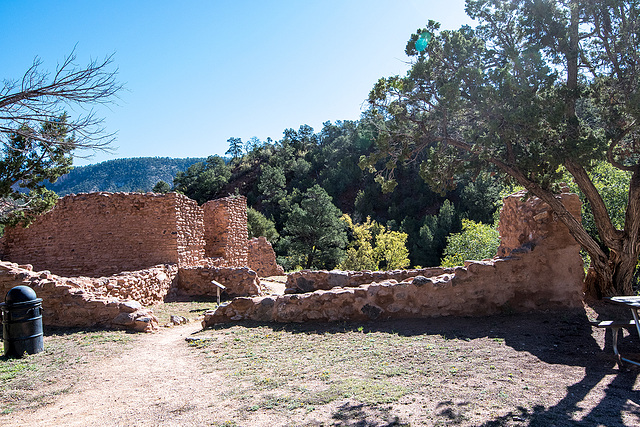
(22, 322)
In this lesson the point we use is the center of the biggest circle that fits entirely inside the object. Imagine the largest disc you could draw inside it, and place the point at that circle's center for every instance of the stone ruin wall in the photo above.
(190, 242)
(239, 281)
(95, 238)
(225, 230)
(110, 302)
(262, 259)
(539, 268)
(99, 234)
(309, 280)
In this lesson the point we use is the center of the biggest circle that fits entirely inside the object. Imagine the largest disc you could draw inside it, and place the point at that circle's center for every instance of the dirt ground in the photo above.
(542, 369)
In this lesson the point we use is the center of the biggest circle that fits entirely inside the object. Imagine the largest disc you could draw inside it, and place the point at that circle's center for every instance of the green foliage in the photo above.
(435, 230)
(272, 184)
(391, 250)
(534, 89)
(26, 163)
(203, 181)
(373, 247)
(161, 187)
(259, 225)
(274, 176)
(235, 147)
(314, 236)
(477, 241)
(481, 197)
(360, 252)
(613, 186)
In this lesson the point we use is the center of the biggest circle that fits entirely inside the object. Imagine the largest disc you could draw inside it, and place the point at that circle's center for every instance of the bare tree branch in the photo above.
(39, 97)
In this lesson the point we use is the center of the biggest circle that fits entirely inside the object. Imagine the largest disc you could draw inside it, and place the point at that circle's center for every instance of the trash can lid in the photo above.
(20, 294)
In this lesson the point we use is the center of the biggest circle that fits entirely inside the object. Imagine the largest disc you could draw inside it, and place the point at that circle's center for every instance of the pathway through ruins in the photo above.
(158, 381)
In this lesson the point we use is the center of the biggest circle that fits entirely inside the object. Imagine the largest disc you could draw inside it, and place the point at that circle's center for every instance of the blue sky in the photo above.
(200, 72)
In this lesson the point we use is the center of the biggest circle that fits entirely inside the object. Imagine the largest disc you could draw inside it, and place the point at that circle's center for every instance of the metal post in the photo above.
(218, 288)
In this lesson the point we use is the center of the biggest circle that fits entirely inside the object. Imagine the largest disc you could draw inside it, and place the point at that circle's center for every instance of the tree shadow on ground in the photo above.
(361, 415)
(555, 337)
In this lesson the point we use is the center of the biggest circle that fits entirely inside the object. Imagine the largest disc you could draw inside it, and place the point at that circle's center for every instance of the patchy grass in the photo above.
(306, 368)
(502, 370)
(516, 370)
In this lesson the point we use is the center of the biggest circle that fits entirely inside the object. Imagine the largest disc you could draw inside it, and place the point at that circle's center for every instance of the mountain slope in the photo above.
(132, 174)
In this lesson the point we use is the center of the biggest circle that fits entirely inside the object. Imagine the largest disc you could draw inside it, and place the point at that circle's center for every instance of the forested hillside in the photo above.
(298, 188)
(134, 174)
(299, 184)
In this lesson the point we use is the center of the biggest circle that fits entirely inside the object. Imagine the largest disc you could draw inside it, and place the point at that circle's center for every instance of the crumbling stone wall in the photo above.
(225, 225)
(239, 281)
(80, 301)
(99, 234)
(262, 258)
(158, 240)
(309, 280)
(540, 268)
(149, 287)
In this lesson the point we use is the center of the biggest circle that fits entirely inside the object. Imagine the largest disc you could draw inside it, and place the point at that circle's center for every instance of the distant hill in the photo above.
(133, 174)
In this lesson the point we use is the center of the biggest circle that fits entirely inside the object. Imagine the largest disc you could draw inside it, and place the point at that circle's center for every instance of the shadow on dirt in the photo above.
(561, 337)
(360, 415)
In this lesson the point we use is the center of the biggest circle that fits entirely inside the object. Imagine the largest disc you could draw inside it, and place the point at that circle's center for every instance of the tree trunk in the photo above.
(615, 277)
(310, 258)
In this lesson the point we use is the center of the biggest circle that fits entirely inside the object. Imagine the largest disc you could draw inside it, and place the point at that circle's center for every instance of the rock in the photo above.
(178, 320)
(130, 306)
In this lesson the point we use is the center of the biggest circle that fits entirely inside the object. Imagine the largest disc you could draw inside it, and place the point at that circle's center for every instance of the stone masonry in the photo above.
(309, 281)
(100, 234)
(103, 254)
(538, 267)
(225, 230)
(262, 258)
(89, 302)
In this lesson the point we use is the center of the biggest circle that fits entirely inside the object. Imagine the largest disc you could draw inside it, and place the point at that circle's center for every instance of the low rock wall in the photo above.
(196, 281)
(309, 281)
(479, 289)
(78, 302)
(148, 287)
(538, 267)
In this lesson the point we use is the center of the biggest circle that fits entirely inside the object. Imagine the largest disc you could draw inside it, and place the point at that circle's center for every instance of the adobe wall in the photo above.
(225, 230)
(262, 258)
(539, 268)
(99, 234)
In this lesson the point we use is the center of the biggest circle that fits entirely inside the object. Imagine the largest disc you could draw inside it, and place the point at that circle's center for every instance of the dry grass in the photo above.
(545, 369)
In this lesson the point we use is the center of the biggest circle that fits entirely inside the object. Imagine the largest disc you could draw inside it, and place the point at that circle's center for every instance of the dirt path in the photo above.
(156, 382)
(544, 368)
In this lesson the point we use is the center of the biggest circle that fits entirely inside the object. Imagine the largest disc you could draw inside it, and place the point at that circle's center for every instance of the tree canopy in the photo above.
(26, 164)
(538, 88)
(38, 136)
(314, 236)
